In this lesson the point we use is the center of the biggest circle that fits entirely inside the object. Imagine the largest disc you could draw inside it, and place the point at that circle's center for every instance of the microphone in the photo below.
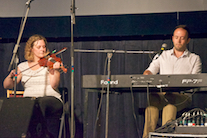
(164, 45)
(28, 2)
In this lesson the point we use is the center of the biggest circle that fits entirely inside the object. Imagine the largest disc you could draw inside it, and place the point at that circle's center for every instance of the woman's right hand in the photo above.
(12, 74)
(9, 80)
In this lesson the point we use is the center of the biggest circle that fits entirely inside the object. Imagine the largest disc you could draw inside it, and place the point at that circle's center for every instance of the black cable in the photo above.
(148, 105)
(161, 93)
(133, 110)
(148, 100)
(186, 99)
(100, 104)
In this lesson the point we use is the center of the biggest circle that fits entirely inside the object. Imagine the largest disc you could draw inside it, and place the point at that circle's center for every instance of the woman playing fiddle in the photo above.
(39, 81)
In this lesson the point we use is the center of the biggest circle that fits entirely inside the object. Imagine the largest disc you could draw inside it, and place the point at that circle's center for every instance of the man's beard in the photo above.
(178, 48)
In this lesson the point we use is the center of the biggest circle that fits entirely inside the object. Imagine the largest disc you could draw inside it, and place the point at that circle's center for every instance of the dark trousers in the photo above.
(51, 108)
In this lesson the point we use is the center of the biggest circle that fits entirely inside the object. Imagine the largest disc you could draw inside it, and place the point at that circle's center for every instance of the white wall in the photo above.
(17, 8)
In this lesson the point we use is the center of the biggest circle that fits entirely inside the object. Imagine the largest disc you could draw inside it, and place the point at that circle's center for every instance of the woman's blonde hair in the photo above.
(29, 45)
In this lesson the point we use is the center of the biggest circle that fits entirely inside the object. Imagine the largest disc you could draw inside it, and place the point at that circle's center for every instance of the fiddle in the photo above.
(50, 59)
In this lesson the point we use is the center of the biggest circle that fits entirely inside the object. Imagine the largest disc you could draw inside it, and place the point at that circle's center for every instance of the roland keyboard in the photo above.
(141, 82)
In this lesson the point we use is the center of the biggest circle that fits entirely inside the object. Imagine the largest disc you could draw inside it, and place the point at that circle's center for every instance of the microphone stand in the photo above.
(109, 55)
(72, 69)
(15, 58)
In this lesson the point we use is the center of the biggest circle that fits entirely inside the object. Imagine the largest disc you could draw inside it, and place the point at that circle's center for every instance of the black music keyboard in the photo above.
(141, 82)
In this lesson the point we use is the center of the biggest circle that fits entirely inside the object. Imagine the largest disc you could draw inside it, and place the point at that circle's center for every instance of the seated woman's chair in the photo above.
(10, 93)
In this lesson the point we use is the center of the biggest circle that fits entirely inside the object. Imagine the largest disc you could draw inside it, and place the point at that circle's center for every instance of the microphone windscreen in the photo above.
(164, 45)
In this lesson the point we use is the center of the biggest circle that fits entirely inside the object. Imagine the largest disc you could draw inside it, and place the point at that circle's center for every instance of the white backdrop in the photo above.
(16, 8)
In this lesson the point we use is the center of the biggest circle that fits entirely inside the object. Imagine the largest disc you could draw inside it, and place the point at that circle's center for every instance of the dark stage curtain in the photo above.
(122, 123)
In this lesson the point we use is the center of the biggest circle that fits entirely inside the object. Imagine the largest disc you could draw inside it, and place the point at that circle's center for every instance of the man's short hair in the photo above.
(184, 27)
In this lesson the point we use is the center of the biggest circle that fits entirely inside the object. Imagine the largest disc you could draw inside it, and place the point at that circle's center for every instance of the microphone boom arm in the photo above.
(15, 58)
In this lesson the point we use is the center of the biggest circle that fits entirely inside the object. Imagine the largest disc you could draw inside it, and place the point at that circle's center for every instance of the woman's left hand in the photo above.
(56, 65)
